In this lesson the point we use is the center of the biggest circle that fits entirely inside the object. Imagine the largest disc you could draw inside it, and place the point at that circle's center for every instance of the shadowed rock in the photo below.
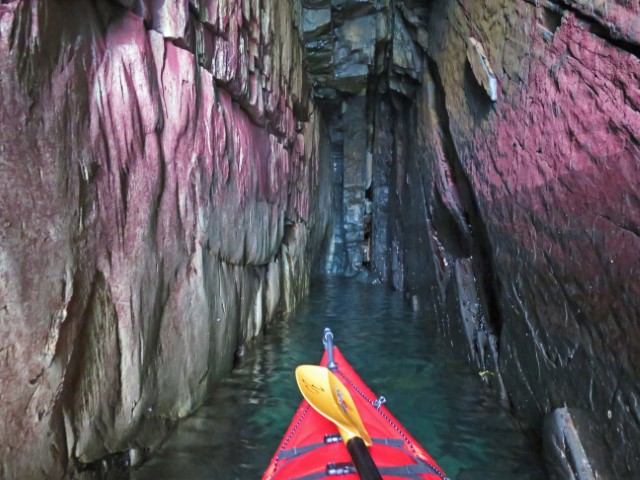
(565, 434)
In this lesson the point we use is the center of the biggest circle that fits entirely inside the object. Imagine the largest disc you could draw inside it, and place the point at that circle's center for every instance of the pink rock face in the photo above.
(582, 191)
(554, 170)
(171, 19)
(571, 172)
(620, 17)
(142, 215)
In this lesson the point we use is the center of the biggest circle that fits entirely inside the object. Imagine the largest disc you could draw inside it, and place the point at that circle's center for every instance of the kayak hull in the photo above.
(311, 448)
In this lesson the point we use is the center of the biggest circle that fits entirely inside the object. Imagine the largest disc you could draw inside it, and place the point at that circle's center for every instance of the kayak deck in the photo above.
(312, 448)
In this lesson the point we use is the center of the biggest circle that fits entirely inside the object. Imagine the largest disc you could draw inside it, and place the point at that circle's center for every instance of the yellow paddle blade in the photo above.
(331, 399)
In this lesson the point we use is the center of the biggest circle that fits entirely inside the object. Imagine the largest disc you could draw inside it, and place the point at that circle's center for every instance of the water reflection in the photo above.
(399, 354)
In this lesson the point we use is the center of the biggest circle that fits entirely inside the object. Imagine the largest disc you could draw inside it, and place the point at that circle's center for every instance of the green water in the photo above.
(433, 392)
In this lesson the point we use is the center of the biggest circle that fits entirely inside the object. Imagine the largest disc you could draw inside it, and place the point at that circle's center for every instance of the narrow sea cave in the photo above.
(181, 181)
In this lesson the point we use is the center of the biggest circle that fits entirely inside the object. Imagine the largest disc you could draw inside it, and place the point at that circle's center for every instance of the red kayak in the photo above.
(312, 447)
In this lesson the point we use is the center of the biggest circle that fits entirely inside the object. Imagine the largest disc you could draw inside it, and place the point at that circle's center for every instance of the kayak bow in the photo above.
(331, 399)
(329, 436)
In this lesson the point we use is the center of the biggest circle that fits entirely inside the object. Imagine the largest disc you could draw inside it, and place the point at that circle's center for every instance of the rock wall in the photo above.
(166, 183)
(532, 213)
(162, 196)
(503, 142)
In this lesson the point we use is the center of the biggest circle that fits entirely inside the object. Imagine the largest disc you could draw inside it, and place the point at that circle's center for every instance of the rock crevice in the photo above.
(502, 194)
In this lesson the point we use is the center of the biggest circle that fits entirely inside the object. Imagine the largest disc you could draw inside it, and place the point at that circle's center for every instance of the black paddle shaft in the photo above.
(361, 457)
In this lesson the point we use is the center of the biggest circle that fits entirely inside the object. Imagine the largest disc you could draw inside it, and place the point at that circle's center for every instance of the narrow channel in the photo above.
(398, 352)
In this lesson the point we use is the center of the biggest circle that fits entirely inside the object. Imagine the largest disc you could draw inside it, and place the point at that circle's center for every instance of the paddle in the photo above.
(331, 399)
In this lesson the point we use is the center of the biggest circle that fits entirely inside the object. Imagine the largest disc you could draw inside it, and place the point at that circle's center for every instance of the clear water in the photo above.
(432, 391)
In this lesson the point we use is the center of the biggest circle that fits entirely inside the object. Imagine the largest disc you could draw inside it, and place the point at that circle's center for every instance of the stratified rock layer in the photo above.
(155, 191)
(503, 141)
(542, 184)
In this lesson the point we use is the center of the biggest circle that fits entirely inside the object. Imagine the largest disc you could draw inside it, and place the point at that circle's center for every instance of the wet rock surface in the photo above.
(571, 448)
(158, 162)
(503, 142)
(481, 156)
(550, 168)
